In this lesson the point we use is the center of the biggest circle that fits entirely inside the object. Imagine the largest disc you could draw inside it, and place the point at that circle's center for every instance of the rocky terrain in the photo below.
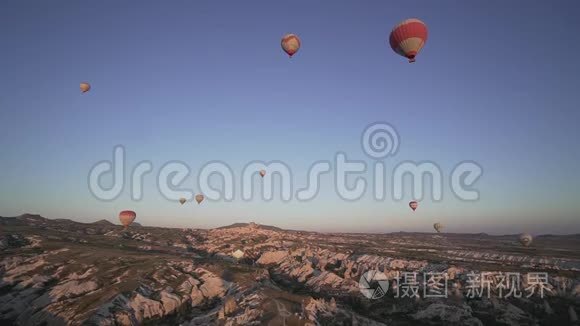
(61, 272)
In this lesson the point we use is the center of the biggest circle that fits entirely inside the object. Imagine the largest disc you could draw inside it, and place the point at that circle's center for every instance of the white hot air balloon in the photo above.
(526, 239)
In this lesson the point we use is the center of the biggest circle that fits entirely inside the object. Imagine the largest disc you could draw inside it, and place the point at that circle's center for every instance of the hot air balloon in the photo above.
(85, 87)
(413, 204)
(290, 44)
(199, 198)
(438, 227)
(182, 200)
(262, 173)
(526, 239)
(408, 37)
(127, 217)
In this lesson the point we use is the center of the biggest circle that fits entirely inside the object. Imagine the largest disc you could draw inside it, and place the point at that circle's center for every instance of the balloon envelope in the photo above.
(127, 217)
(413, 205)
(199, 198)
(290, 44)
(262, 173)
(525, 239)
(408, 38)
(85, 87)
(182, 200)
(438, 227)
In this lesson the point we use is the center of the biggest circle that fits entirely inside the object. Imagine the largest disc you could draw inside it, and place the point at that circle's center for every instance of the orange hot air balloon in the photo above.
(85, 87)
(413, 204)
(199, 198)
(127, 217)
(408, 37)
(182, 200)
(262, 173)
(290, 44)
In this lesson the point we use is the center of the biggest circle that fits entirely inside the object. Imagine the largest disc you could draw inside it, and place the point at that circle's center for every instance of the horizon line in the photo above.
(297, 230)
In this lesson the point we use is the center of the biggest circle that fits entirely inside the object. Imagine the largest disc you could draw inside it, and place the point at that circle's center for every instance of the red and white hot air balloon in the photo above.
(127, 217)
(413, 204)
(290, 44)
(262, 173)
(408, 38)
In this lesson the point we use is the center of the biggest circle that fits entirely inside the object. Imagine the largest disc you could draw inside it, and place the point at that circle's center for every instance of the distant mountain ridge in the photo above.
(258, 226)
(32, 217)
(38, 219)
(103, 222)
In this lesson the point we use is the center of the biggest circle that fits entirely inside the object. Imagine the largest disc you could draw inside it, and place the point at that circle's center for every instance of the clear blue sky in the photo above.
(195, 81)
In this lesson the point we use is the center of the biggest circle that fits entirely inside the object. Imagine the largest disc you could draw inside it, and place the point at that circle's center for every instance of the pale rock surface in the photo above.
(272, 257)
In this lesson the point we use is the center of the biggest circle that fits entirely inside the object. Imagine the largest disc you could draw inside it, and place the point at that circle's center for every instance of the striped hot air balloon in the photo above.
(127, 217)
(290, 44)
(408, 37)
